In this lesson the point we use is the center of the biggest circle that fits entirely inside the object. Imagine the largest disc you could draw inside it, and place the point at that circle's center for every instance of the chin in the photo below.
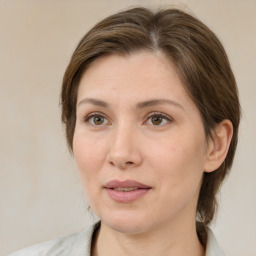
(127, 223)
(128, 227)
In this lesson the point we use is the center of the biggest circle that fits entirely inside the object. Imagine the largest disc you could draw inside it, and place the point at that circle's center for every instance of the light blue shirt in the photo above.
(79, 244)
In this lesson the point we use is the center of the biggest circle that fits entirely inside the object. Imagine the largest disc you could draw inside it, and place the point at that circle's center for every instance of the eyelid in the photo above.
(156, 113)
(93, 114)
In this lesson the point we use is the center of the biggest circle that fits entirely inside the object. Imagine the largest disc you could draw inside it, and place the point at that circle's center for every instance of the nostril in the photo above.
(123, 165)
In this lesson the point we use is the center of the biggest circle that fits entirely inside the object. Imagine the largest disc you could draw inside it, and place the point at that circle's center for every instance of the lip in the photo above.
(126, 196)
(125, 184)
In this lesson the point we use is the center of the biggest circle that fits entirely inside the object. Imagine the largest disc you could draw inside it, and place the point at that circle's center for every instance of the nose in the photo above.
(124, 152)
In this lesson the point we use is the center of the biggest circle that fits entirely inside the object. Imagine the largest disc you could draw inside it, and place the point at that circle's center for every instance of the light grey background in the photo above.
(40, 192)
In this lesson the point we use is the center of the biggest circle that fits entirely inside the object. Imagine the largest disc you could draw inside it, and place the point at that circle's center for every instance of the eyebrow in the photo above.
(96, 102)
(140, 105)
(155, 102)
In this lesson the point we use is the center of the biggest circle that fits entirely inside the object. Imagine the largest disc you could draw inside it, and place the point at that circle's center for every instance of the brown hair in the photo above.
(201, 62)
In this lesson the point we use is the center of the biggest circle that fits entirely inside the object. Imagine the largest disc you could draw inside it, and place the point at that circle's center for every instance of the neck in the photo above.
(165, 241)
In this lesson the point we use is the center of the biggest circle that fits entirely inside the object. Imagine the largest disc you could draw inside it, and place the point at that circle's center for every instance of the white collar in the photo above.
(212, 247)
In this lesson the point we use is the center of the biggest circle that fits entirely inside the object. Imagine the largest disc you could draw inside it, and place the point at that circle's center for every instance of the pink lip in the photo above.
(125, 184)
(126, 196)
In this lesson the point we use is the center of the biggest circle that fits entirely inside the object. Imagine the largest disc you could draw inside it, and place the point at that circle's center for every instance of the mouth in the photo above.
(126, 191)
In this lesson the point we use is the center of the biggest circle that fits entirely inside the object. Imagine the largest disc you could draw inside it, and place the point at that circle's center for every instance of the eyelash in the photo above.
(148, 117)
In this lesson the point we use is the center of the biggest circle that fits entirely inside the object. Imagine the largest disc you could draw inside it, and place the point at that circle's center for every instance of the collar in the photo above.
(212, 246)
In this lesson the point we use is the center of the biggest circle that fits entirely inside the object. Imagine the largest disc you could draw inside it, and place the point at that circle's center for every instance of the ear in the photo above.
(218, 146)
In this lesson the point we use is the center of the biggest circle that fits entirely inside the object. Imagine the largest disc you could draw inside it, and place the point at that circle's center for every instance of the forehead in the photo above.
(133, 78)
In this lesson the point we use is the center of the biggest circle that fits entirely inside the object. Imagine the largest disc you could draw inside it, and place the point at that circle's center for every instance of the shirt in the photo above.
(79, 244)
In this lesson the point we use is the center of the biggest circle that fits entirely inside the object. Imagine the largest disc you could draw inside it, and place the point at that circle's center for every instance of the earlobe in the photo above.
(218, 146)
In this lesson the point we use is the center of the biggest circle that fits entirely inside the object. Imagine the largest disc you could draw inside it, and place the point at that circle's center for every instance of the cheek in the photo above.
(179, 177)
(89, 156)
(177, 151)
(178, 163)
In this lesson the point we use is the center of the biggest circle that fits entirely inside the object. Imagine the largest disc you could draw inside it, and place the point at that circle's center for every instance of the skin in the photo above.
(126, 143)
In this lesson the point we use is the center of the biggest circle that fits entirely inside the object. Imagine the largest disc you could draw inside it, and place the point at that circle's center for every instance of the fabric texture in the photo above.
(79, 244)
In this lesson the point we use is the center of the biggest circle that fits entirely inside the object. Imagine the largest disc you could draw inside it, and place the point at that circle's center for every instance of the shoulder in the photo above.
(212, 247)
(78, 244)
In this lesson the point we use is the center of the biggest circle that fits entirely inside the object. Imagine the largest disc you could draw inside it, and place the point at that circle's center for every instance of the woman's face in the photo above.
(139, 143)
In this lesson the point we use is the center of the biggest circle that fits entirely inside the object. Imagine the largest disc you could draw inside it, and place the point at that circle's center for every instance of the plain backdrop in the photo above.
(40, 193)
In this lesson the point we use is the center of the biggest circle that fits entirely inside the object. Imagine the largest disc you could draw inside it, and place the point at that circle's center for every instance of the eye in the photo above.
(96, 119)
(158, 119)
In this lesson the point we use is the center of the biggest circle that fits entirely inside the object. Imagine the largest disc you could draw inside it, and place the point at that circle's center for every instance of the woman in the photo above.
(151, 111)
